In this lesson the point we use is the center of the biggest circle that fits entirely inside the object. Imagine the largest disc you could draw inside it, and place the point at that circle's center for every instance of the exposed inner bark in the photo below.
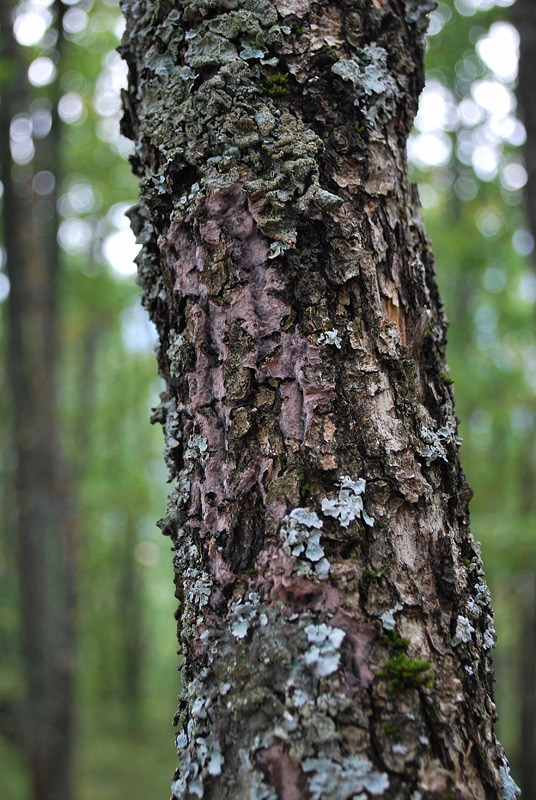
(334, 622)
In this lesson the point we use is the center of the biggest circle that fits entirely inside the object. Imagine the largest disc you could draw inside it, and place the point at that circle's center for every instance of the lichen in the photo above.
(376, 89)
(349, 503)
(344, 780)
(300, 533)
(323, 656)
(174, 352)
(387, 618)
(434, 443)
(330, 338)
(464, 631)
(196, 447)
(243, 616)
(510, 790)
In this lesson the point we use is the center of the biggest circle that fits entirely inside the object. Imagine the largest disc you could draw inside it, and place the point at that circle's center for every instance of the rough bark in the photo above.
(43, 721)
(334, 622)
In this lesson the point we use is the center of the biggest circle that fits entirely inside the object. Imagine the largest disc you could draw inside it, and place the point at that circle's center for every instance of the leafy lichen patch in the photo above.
(323, 656)
(510, 790)
(300, 533)
(376, 90)
(346, 779)
(348, 506)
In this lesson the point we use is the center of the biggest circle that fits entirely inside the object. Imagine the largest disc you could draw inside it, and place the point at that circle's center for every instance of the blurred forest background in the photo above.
(82, 477)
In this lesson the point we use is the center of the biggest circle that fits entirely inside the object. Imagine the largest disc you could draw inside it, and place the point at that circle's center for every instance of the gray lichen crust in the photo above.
(334, 623)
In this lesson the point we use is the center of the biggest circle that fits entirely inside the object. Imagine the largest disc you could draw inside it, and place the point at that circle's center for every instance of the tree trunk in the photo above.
(526, 25)
(523, 17)
(334, 622)
(43, 723)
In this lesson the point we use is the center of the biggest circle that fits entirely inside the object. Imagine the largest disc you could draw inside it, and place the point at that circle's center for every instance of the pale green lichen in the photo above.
(434, 442)
(510, 790)
(323, 656)
(345, 779)
(196, 447)
(388, 619)
(250, 52)
(300, 533)
(464, 631)
(174, 351)
(376, 89)
(348, 506)
(209, 50)
(330, 338)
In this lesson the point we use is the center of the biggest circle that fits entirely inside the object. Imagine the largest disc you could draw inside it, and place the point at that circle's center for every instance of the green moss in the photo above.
(276, 84)
(447, 380)
(369, 574)
(298, 30)
(404, 672)
(467, 564)
(390, 730)
(392, 639)
(358, 130)
(305, 491)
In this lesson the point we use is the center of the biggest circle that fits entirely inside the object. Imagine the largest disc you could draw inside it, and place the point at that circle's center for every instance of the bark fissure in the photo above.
(334, 622)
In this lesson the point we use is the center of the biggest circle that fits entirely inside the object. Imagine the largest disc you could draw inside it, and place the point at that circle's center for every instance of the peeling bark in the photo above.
(334, 621)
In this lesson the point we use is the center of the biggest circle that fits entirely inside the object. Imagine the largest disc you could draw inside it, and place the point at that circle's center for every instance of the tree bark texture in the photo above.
(334, 622)
(42, 723)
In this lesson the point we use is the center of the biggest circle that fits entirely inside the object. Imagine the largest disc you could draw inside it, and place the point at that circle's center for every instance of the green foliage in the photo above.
(126, 681)
(487, 285)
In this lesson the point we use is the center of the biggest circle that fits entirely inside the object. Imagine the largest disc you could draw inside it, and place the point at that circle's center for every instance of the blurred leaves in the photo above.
(471, 191)
(127, 679)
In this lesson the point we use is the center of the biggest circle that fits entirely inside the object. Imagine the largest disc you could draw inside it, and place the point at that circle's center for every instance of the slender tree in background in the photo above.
(526, 25)
(41, 723)
(334, 621)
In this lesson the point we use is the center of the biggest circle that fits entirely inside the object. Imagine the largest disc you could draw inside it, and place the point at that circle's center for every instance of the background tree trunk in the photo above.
(43, 723)
(334, 622)
(525, 21)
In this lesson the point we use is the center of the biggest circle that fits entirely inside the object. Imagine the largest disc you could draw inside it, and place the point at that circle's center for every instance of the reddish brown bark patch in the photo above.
(283, 774)
(355, 649)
